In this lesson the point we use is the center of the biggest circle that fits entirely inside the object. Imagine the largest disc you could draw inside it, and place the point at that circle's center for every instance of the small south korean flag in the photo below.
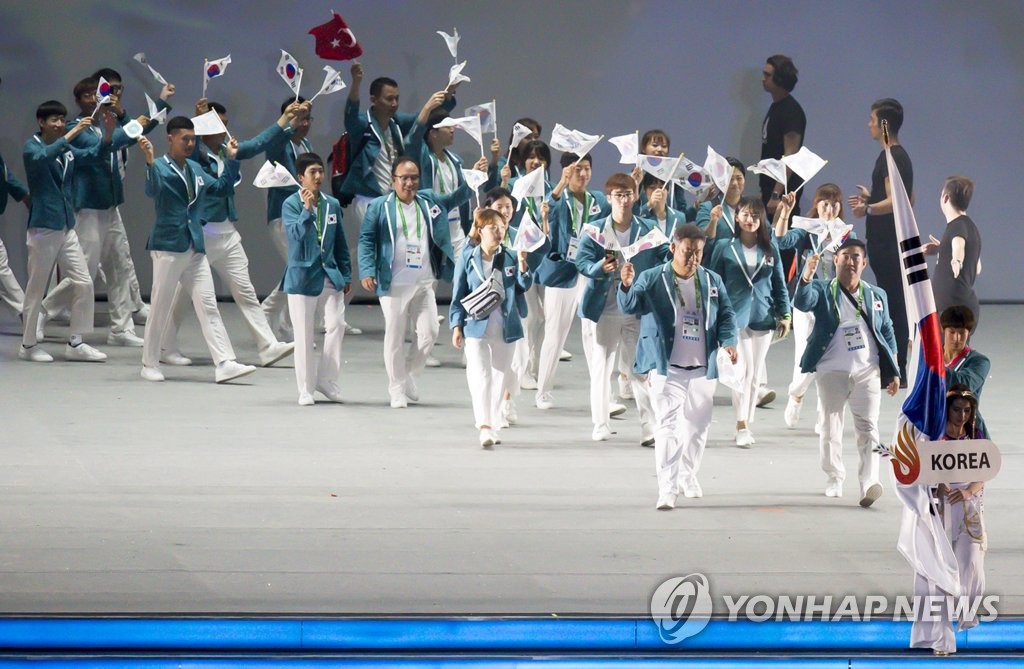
(290, 71)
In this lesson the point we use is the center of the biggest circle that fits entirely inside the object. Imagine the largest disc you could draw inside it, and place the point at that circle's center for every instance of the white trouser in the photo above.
(560, 306)
(488, 361)
(614, 332)
(863, 393)
(275, 306)
(10, 290)
(93, 227)
(534, 327)
(682, 403)
(752, 346)
(404, 303)
(124, 265)
(227, 257)
(192, 271)
(302, 310)
(517, 367)
(61, 247)
(803, 323)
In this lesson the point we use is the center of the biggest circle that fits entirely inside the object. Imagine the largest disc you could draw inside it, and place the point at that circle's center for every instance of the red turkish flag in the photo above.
(334, 41)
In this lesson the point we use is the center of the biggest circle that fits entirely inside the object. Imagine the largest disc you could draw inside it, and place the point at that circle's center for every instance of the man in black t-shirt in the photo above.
(876, 204)
(782, 133)
(959, 261)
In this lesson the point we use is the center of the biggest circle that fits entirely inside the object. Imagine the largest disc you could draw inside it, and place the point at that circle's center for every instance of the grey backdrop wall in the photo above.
(608, 67)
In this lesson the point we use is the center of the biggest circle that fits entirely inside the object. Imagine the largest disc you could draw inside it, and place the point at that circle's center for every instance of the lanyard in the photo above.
(405, 228)
(679, 291)
(387, 145)
(860, 297)
(320, 220)
(440, 172)
(585, 214)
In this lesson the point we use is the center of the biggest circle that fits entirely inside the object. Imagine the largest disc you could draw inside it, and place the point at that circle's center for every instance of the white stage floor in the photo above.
(122, 496)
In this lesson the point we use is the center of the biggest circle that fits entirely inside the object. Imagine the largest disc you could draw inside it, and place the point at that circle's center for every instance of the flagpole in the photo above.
(494, 115)
(675, 167)
(205, 79)
(298, 85)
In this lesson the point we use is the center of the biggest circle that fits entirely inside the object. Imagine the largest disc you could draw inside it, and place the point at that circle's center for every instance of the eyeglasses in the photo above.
(407, 178)
(623, 195)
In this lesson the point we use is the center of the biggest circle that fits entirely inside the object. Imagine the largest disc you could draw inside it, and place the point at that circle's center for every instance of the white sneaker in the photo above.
(151, 374)
(528, 382)
(509, 412)
(765, 396)
(412, 393)
(666, 503)
(601, 433)
(34, 354)
(792, 413)
(351, 330)
(496, 435)
(399, 401)
(486, 439)
(126, 338)
(834, 488)
(873, 492)
(230, 370)
(175, 358)
(544, 401)
(625, 388)
(276, 353)
(331, 392)
(616, 409)
(83, 353)
(744, 439)
(431, 361)
(306, 400)
(141, 316)
(565, 356)
(691, 488)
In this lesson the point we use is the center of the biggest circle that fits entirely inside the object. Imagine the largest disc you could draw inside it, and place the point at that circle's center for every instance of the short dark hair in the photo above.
(50, 108)
(853, 241)
(784, 73)
(401, 160)
(304, 160)
(179, 123)
(85, 86)
(619, 180)
(891, 111)
(284, 105)
(217, 107)
(536, 147)
(651, 135)
(957, 316)
(737, 163)
(960, 190)
(515, 160)
(435, 117)
(756, 207)
(651, 181)
(379, 83)
(569, 158)
(107, 73)
(687, 231)
(496, 193)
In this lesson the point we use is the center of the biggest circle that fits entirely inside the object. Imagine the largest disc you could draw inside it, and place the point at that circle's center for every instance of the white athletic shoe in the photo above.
(601, 433)
(486, 438)
(331, 392)
(230, 370)
(34, 354)
(306, 400)
(666, 503)
(431, 361)
(175, 358)
(625, 387)
(399, 401)
(528, 382)
(691, 488)
(508, 412)
(565, 356)
(873, 492)
(151, 374)
(276, 353)
(765, 396)
(834, 488)
(616, 409)
(126, 338)
(545, 401)
(792, 413)
(83, 353)
(744, 439)
(352, 330)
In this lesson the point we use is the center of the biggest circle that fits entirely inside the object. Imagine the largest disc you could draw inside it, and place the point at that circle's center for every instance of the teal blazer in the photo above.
(98, 184)
(468, 277)
(377, 235)
(762, 306)
(652, 298)
(364, 136)
(284, 152)
(222, 207)
(310, 259)
(816, 298)
(178, 218)
(50, 172)
(591, 257)
(676, 202)
(556, 270)
(673, 217)
(9, 186)
(726, 224)
(803, 244)
(971, 370)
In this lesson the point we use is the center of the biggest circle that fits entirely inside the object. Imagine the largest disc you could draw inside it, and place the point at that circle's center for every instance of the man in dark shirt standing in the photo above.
(959, 251)
(782, 133)
(876, 204)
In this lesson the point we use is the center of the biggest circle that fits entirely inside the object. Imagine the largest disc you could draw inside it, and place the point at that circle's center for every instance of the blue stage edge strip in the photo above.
(471, 636)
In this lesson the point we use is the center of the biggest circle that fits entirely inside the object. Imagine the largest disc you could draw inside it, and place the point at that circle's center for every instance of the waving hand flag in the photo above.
(529, 185)
(334, 40)
(455, 75)
(771, 167)
(719, 169)
(213, 69)
(290, 71)
(274, 175)
(158, 115)
(805, 163)
(332, 83)
(529, 237)
(475, 178)
(208, 124)
(488, 116)
(141, 58)
(628, 146)
(452, 42)
(469, 124)
(572, 141)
